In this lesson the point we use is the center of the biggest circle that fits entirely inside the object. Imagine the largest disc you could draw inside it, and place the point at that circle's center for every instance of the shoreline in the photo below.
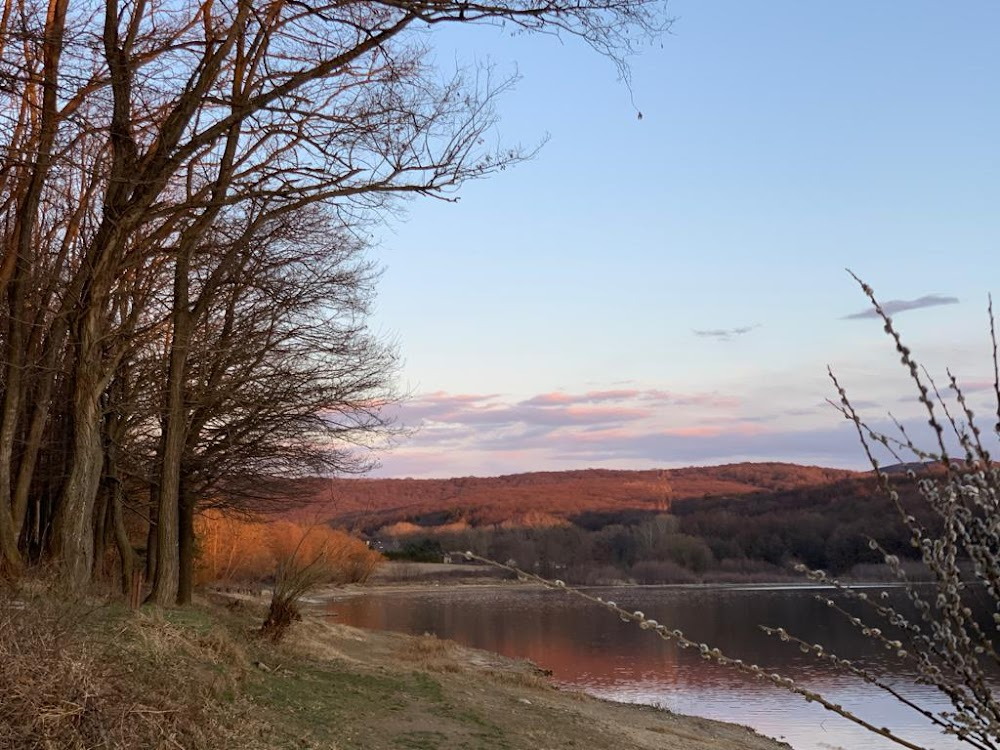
(427, 596)
(520, 704)
(208, 681)
(516, 699)
(349, 591)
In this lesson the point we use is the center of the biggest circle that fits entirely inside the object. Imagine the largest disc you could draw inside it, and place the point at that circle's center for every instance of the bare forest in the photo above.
(187, 194)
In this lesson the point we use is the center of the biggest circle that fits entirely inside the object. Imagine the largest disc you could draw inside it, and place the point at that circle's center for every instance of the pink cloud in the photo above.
(570, 415)
(713, 400)
(599, 436)
(710, 431)
(972, 384)
(651, 395)
(623, 424)
(613, 395)
(550, 399)
(605, 413)
(549, 409)
(616, 434)
(503, 439)
(417, 464)
(443, 397)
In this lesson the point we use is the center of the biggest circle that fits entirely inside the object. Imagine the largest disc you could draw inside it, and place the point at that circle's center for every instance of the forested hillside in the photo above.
(739, 522)
(540, 498)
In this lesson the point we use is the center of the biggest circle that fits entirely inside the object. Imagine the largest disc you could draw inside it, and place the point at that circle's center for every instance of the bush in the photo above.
(421, 550)
(661, 571)
(595, 575)
(308, 559)
(245, 548)
(939, 637)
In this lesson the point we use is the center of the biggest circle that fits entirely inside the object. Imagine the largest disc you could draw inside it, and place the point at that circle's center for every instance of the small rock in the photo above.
(525, 701)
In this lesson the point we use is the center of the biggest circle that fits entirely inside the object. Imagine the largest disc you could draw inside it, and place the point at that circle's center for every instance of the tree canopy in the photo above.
(186, 190)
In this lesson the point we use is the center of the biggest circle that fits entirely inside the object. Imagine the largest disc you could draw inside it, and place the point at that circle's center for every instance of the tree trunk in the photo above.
(72, 540)
(20, 262)
(73, 536)
(11, 414)
(174, 441)
(151, 537)
(114, 431)
(165, 581)
(102, 525)
(10, 558)
(40, 408)
(186, 547)
(125, 552)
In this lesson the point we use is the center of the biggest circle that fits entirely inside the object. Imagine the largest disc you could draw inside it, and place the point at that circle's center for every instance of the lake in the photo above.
(590, 649)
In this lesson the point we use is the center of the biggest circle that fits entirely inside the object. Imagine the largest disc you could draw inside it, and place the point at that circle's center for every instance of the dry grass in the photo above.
(431, 653)
(426, 645)
(79, 675)
(519, 678)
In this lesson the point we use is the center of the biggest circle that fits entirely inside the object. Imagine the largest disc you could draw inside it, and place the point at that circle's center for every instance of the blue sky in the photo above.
(570, 312)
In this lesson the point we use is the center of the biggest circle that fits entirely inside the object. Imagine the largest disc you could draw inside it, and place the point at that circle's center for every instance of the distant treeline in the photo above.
(517, 499)
(751, 537)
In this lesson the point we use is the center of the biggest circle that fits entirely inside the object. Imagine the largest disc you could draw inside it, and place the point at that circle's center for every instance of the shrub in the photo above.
(595, 575)
(942, 639)
(661, 571)
(242, 548)
(307, 559)
(421, 550)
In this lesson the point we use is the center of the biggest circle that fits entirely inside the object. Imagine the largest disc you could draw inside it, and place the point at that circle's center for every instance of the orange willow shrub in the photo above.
(348, 559)
(245, 548)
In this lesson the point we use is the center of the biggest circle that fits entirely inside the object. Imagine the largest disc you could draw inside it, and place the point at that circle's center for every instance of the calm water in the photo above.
(586, 647)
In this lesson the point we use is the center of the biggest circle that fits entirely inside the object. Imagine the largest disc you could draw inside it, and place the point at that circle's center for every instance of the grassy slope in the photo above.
(80, 676)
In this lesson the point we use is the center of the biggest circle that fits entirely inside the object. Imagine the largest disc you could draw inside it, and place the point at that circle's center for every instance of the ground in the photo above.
(80, 673)
(350, 688)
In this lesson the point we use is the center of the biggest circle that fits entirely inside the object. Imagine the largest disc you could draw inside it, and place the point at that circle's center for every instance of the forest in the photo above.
(745, 538)
(188, 194)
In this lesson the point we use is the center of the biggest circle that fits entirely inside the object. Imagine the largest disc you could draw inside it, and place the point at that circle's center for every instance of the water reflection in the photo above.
(585, 647)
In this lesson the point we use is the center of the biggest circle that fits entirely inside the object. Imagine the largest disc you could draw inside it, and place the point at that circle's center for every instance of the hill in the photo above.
(540, 498)
(735, 523)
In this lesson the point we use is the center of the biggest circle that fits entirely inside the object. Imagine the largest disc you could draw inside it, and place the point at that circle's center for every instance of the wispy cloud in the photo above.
(894, 306)
(650, 396)
(834, 445)
(497, 433)
(443, 419)
(491, 421)
(724, 334)
(628, 427)
(630, 447)
(831, 445)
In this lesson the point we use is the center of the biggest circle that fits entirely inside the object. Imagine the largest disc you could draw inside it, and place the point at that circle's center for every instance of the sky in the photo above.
(669, 290)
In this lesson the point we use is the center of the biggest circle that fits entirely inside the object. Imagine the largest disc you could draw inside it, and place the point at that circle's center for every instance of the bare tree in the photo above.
(154, 140)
